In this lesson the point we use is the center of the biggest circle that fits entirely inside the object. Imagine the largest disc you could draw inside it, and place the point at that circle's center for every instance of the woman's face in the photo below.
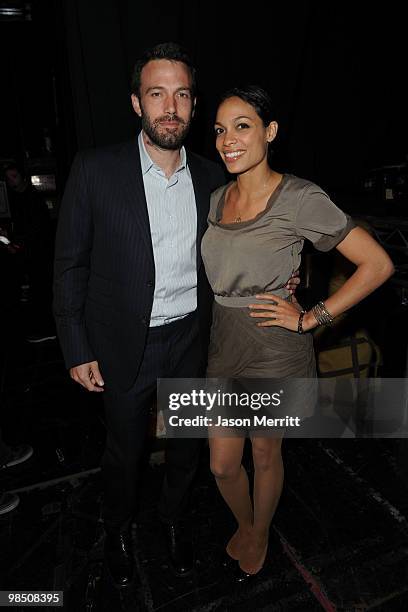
(241, 137)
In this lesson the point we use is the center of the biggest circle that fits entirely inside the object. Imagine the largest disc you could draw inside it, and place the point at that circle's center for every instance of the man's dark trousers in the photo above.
(172, 351)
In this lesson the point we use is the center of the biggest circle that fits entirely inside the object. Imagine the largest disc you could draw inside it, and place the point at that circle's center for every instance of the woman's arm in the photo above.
(374, 267)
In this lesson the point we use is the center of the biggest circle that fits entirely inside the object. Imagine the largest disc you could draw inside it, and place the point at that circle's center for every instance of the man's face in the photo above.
(166, 104)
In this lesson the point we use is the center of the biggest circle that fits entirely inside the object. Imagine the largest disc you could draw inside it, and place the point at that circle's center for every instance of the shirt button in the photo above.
(150, 283)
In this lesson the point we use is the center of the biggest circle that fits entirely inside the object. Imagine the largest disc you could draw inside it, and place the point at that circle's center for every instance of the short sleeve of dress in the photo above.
(319, 220)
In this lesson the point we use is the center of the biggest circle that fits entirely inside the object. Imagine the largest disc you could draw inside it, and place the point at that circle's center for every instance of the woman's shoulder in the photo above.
(216, 196)
(217, 193)
(299, 192)
(302, 185)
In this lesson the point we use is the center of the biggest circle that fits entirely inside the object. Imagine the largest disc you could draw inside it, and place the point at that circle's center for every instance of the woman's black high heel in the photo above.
(239, 576)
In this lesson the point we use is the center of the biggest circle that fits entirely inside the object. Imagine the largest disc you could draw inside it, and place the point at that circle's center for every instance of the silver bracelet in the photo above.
(321, 314)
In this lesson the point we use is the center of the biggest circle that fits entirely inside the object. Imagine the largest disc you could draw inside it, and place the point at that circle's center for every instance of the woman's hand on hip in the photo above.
(276, 312)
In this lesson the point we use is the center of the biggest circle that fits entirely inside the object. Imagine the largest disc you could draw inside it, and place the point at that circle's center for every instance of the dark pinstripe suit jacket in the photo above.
(104, 274)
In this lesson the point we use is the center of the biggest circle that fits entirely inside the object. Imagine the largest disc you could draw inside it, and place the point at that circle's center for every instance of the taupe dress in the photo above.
(258, 256)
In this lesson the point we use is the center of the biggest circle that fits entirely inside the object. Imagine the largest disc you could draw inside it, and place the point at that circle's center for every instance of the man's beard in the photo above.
(165, 138)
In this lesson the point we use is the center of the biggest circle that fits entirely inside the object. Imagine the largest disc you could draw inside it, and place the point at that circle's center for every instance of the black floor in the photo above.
(339, 540)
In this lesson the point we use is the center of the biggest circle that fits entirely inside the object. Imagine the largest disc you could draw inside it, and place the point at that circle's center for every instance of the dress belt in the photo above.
(244, 301)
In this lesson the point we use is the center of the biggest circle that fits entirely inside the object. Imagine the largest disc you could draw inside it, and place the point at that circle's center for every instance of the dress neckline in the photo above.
(248, 222)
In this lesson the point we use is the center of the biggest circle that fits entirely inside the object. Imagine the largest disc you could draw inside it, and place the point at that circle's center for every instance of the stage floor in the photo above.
(339, 540)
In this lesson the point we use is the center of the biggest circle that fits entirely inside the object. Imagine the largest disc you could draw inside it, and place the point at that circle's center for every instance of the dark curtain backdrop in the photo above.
(335, 70)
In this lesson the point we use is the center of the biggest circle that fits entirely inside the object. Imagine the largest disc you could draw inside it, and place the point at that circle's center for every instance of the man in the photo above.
(131, 299)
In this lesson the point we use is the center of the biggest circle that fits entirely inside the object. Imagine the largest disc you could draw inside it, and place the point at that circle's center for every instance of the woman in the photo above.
(257, 227)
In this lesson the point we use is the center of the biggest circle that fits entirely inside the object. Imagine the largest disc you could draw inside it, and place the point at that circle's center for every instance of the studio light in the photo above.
(15, 11)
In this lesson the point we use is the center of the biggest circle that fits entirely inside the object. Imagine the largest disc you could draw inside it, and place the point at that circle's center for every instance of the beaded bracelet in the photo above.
(300, 321)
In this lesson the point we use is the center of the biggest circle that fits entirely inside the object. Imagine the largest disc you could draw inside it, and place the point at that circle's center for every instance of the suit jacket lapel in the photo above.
(135, 197)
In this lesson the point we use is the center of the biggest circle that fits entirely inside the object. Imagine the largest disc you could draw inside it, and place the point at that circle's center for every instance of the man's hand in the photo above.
(293, 282)
(88, 375)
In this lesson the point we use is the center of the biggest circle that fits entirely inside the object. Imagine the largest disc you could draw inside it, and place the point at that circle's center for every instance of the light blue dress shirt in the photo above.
(173, 226)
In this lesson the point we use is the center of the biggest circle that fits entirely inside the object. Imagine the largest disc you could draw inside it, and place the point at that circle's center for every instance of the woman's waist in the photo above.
(242, 301)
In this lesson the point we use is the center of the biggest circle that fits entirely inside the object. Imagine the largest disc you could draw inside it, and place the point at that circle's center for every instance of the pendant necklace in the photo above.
(238, 218)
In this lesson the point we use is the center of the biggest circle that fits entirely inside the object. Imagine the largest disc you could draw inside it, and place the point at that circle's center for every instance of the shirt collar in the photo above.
(147, 163)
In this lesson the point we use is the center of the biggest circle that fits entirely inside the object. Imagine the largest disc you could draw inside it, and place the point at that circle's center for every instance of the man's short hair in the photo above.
(169, 51)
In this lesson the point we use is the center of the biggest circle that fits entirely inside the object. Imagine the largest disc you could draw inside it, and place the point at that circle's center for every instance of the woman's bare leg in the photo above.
(268, 482)
(232, 481)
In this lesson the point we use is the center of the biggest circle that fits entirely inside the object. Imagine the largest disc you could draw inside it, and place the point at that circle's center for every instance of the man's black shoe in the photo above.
(180, 548)
(119, 557)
